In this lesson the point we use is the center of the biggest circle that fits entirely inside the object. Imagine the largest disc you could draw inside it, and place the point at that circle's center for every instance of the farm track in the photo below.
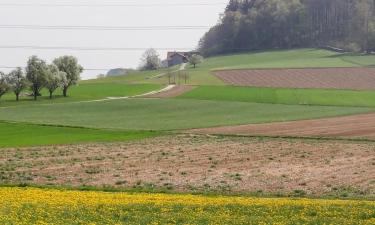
(321, 78)
(171, 93)
(356, 126)
(145, 95)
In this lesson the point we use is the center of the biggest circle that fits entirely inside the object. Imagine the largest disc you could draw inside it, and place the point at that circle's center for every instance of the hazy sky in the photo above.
(128, 16)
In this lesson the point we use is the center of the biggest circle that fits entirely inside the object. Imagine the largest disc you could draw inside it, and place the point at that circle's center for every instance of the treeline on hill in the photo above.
(269, 24)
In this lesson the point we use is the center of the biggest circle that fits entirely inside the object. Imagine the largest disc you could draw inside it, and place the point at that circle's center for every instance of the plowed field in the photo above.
(199, 162)
(324, 78)
(357, 126)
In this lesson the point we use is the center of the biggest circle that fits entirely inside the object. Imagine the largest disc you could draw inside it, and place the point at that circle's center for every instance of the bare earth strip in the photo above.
(173, 92)
(356, 126)
(324, 78)
(195, 162)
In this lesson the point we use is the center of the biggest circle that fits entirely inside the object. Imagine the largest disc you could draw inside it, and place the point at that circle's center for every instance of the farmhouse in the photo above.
(176, 58)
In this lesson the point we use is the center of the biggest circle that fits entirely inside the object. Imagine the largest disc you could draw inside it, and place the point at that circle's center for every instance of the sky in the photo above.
(108, 13)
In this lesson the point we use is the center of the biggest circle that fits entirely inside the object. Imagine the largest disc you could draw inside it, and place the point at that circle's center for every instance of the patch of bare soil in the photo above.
(189, 163)
(356, 126)
(325, 78)
(174, 92)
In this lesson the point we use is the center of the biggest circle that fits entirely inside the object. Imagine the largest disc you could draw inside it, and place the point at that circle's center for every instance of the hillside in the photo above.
(90, 119)
(296, 58)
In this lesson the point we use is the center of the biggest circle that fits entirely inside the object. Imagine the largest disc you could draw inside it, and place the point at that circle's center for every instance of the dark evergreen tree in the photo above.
(267, 24)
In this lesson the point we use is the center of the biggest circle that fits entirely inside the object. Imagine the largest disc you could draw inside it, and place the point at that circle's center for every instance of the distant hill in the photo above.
(118, 72)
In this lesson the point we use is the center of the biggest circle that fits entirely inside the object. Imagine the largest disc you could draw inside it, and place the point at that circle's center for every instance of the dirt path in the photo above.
(187, 163)
(182, 67)
(325, 78)
(171, 93)
(356, 126)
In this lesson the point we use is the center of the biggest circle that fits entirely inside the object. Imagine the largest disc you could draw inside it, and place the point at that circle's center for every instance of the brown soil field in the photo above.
(356, 126)
(324, 78)
(174, 92)
(200, 162)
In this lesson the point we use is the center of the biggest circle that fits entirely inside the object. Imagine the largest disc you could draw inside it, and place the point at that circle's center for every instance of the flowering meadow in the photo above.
(44, 206)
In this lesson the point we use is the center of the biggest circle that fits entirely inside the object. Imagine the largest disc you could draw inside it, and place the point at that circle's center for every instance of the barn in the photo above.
(177, 58)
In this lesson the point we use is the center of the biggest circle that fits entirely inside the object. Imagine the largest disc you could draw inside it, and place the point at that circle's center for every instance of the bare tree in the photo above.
(183, 76)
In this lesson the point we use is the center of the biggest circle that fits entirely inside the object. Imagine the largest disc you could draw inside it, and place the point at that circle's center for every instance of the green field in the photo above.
(283, 96)
(300, 58)
(137, 77)
(205, 106)
(296, 58)
(19, 135)
(170, 114)
(133, 77)
(84, 92)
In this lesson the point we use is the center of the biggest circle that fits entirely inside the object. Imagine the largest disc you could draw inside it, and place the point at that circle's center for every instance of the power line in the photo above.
(87, 69)
(77, 48)
(10, 67)
(131, 28)
(112, 5)
(86, 48)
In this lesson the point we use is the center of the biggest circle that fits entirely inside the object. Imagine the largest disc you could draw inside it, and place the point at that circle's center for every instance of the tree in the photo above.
(69, 65)
(17, 81)
(36, 74)
(366, 12)
(195, 59)
(4, 86)
(150, 60)
(232, 6)
(54, 79)
(275, 24)
(171, 74)
(183, 76)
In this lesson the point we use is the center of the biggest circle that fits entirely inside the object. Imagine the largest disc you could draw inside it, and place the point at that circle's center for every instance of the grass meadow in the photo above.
(82, 92)
(205, 106)
(296, 58)
(283, 96)
(22, 135)
(137, 77)
(167, 114)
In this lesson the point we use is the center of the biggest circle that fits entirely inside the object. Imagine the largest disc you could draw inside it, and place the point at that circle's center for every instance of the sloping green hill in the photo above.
(82, 92)
(226, 106)
(296, 58)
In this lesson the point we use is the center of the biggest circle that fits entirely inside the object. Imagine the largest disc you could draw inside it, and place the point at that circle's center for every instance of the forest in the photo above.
(248, 25)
